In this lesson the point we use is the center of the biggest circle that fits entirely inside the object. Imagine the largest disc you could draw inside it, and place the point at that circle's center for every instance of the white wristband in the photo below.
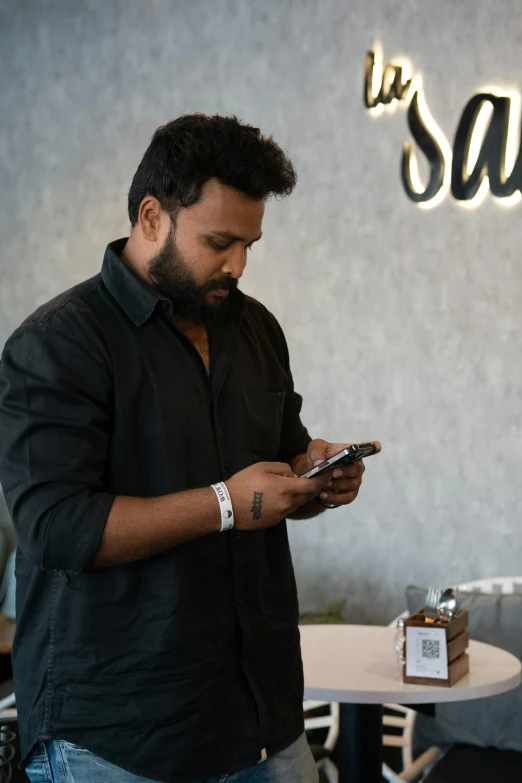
(225, 506)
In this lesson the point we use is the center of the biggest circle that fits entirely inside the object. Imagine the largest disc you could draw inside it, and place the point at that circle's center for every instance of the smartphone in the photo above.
(345, 457)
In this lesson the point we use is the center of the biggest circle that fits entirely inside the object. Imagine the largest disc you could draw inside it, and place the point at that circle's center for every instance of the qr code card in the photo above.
(426, 652)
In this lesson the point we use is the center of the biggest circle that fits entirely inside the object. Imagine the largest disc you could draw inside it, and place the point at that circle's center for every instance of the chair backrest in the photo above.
(324, 720)
(7, 753)
(398, 717)
(8, 588)
(499, 584)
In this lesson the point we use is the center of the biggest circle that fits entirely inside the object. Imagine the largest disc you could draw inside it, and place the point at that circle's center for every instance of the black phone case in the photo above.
(357, 451)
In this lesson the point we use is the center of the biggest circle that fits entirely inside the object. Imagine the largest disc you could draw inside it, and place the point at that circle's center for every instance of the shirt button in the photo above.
(241, 601)
(225, 465)
(238, 534)
(245, 663)
(164, 305)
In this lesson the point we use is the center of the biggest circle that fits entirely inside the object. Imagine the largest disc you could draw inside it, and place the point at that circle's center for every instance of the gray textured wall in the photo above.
(403, 324)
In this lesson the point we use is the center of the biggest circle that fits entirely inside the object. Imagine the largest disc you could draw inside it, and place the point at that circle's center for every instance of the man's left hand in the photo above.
(345, 482)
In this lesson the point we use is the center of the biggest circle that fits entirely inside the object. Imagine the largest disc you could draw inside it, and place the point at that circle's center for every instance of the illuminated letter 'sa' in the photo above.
(487, 149)
(484, 148)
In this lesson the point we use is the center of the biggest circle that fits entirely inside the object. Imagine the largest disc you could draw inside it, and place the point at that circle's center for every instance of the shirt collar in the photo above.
(136, 298)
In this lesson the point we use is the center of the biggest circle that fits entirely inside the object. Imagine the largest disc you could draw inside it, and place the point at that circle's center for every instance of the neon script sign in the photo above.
(487, 149)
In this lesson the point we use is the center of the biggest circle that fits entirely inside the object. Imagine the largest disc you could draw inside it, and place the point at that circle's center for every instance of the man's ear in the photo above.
(149, 218)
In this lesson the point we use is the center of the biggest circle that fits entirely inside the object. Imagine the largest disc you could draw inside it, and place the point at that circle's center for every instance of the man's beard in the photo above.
(174, 279)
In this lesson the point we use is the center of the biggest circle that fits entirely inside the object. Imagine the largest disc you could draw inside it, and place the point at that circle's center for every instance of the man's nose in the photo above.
(235, 262)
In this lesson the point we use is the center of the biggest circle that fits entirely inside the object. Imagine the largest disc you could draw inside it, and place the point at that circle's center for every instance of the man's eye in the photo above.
(217, 246)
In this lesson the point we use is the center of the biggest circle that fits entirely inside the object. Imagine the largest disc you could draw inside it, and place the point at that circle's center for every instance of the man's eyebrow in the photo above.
(233, 237)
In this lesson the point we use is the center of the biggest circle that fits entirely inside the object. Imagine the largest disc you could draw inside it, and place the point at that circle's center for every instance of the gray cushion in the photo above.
(480, 765)
(495, 721)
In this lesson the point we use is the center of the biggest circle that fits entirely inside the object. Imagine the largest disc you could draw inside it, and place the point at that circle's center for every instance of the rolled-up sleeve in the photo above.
(55, 425)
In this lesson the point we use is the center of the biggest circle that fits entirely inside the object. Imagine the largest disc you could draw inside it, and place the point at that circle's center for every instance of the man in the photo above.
(150, 447)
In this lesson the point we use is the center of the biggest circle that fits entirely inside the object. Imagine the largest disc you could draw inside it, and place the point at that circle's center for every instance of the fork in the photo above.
(432, 601)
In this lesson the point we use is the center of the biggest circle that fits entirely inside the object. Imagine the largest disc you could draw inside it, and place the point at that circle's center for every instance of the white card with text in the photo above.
(426, 652)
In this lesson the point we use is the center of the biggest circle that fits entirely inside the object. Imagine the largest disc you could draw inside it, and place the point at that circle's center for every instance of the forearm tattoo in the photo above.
(257, 505)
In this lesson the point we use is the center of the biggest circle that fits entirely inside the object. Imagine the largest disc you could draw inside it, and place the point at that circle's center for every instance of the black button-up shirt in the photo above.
(186, 664)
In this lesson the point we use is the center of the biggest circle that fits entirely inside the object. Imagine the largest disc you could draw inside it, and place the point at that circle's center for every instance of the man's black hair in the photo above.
(187, 152)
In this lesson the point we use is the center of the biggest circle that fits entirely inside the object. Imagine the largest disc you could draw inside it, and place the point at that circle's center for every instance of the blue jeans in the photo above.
(62, 762)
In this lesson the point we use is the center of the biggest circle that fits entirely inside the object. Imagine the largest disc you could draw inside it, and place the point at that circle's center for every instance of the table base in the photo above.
(360, 743)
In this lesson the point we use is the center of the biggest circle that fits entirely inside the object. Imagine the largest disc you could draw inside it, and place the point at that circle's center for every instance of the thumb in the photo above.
(316, 452)
(279, 468)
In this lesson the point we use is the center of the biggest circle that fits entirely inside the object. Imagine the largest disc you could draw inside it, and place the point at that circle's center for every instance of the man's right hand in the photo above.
(267, 492)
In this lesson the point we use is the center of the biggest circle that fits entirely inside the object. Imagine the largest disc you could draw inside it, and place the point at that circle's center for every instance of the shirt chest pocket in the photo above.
(265, 419)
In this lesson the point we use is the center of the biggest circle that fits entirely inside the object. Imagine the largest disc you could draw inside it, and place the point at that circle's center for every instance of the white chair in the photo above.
(324, 720)
(8, 716)
(404, 718)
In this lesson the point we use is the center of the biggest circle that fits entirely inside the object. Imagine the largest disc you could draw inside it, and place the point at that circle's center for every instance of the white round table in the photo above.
(356, 665)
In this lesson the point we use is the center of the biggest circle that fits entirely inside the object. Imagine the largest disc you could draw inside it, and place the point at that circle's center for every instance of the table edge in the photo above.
(424, 695)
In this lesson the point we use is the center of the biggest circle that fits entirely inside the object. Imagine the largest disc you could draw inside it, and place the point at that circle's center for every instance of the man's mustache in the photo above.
(223, 284)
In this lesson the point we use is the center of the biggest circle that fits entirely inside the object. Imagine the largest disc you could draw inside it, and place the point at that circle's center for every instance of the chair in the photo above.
(8, 717)
(7, 749)
(404, 718)
(326, 717)
(8, 713)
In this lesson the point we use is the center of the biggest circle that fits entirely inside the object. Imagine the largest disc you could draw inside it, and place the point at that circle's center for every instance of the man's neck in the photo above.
(188, 324)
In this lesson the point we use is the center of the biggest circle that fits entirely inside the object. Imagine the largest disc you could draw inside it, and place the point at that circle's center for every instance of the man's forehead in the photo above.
(217, 197)
(224, 209)
(231, 235)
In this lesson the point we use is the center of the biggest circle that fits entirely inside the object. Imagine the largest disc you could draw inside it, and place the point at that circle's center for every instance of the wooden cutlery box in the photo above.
(457, 641)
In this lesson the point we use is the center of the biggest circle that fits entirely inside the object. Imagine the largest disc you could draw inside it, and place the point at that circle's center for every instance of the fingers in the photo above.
(335, 448)
(279, 468)
(345, 489)
(316, 452)
(355, 470)
(308, 488)
(342, 491)
(344, 485)
(338, 498)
